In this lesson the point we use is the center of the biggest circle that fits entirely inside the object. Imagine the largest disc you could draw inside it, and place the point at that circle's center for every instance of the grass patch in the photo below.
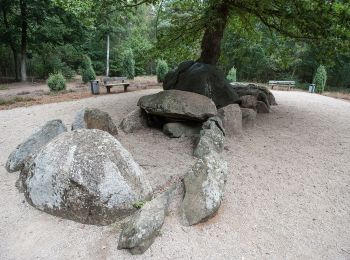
(6, 102)
(57, 93)
(2, 87)
(138, 204)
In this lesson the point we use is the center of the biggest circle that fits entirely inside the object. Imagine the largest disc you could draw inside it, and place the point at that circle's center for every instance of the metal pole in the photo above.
(107, 58)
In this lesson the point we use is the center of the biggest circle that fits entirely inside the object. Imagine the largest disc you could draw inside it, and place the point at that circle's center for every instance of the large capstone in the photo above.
(204, 188)
(93, 118)
(204, 79)
(33, 144)
(86, 176)
(176, 104)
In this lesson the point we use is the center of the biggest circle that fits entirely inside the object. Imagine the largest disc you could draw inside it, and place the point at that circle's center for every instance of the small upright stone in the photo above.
(211, 139)
(144, 226)
(261, 107)
(248, 117)
(204, 188)
(231, 117)
(133, 121)
(33, 144)
(93, 118)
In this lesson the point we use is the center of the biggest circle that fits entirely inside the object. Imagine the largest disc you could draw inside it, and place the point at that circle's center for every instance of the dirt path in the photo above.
(288, 192)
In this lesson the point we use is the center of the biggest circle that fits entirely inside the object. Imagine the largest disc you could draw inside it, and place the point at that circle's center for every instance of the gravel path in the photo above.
(288, 192)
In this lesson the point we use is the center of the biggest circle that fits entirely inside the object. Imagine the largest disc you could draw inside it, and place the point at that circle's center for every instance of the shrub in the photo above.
(161, 70)
(87, 71)
(232, 75)
(88, 74)
(320, 79)
(56, 82)
(128, 64)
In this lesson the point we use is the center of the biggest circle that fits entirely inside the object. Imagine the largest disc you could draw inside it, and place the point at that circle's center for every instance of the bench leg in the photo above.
(108, 89)
(125, 88)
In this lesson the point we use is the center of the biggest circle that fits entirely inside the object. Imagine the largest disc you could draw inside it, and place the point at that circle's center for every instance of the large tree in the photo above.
(326, 21)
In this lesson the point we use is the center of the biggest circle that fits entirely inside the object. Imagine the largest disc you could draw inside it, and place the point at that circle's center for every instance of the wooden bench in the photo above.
(289, 84)
(110, 82)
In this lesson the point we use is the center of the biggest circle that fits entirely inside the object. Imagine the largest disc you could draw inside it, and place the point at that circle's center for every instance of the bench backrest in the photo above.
(277, 82)
(113, 79)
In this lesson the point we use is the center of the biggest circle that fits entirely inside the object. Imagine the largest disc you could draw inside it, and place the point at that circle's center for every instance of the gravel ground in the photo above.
(287, 197)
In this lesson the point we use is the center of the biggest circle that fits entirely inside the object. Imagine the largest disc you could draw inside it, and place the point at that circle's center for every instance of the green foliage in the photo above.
(139, 204)
(161, 70)
(87, 71)
(320, 79)
(232, 75)
(128, 65)
(56, 82)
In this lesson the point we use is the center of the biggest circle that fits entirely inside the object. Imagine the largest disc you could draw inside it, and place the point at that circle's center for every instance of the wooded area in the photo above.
(262, 39)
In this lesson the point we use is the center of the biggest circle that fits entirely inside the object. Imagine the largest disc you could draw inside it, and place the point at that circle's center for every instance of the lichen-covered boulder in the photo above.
(133, 121)
(139, 233)
(33, 144)
(178, 129)
(231, 117)
(248, 117)
(86, 176)
(211, 138)
(204, 188)
(93, 118)
(204, 79)
(178, 104)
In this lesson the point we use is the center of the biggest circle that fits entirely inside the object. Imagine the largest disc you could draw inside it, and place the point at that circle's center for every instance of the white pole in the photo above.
(107, 58)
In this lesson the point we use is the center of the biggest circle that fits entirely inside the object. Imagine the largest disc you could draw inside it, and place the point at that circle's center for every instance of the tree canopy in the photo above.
(260, 38)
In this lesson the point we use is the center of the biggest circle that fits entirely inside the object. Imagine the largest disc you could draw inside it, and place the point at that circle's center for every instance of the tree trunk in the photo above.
(107, 58)
(12, 45)
(215, 27)
(24, 27)
(14, 53)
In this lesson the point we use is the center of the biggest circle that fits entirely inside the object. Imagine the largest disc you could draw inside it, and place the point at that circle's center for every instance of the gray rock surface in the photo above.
(134, 121)
(33, 144)
(248, 101)
(204, 188)
(93, 118)
(86, 176)
(262, 108)
(178, 129)
(179, 105)
(248, 117)
(211, 139)
(261, 93)
(231, 117)
(139, 233)
(204, 79)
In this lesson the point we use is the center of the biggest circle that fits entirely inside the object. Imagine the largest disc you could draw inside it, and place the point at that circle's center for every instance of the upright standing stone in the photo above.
(231, 117)
(93, 118)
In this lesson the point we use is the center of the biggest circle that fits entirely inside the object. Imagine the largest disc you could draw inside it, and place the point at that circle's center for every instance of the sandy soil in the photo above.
(288, 191)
